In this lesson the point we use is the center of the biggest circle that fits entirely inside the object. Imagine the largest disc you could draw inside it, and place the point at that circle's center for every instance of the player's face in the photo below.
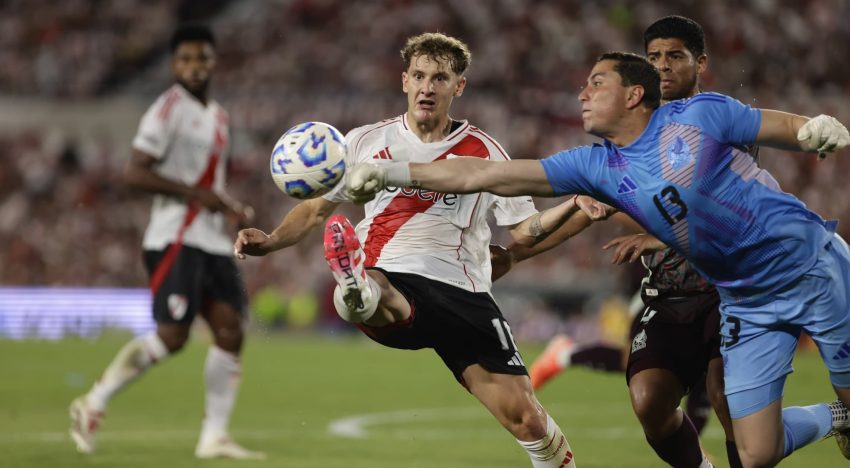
(678, 67)
(603, 100)
(192, 64)
(430, 85)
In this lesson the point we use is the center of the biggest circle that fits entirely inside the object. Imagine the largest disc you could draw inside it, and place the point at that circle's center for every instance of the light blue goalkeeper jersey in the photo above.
(686, 181)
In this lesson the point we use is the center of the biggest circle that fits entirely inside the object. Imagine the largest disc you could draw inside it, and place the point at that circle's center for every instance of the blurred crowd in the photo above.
(66, 219)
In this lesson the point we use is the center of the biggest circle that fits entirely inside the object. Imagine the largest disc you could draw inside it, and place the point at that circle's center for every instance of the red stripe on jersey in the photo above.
(477, 131)
(168, 105)
(192, 210)
(462, 232)
(403, 207)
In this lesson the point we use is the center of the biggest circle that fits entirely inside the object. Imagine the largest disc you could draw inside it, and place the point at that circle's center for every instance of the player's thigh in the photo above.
(469, 329)
(413, 332)
(659, 341)
(754, 354)
(176, 276)
(223, 290)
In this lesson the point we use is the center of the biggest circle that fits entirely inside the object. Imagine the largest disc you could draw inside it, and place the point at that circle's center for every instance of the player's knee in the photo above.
(174, 342)
(228, 337)
(527, 425)
(759, 455)
(644, 403)
(174, 339)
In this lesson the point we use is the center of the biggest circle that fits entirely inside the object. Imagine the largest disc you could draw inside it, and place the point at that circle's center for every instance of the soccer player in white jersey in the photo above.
(422, 278)
(179, 155)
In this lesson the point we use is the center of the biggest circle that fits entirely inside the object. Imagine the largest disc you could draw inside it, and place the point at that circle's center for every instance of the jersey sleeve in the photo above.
(512, 210)
(727, 119)
(155, 129)
(568, 170)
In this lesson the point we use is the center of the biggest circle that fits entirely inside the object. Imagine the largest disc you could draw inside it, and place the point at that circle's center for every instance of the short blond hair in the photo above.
(438, 46)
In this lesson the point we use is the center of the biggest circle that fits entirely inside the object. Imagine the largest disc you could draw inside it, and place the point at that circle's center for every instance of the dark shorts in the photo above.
(463, 327)
(186, 280)
(679, 334)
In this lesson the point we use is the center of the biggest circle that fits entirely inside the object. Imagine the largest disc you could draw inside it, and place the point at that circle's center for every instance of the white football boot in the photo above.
(84, 423)
(223, 446)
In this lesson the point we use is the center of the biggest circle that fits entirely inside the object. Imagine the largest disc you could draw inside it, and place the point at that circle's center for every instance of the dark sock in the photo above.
(698, 407)
(681, 449)
(599, 357)
(732, 454)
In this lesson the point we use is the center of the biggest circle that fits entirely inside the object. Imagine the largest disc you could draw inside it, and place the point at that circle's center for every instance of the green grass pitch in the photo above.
(319, 402)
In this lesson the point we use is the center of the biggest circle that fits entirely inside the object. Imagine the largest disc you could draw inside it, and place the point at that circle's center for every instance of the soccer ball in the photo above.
(308, 160)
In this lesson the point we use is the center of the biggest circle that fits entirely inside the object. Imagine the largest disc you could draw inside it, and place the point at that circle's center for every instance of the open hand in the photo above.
(630, 248)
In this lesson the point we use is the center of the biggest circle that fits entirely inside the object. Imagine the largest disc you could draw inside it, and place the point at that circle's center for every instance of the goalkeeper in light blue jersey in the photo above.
(677, 170)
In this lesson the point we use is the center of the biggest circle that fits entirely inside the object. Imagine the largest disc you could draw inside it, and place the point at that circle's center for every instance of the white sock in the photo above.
(705, 463)
(370, 303)
(222, 375)
(133, 359)
(552, 451)
(565, 356)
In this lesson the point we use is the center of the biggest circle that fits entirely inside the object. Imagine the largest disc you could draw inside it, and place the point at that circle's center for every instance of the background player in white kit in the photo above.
(427, 254)
(179, 155)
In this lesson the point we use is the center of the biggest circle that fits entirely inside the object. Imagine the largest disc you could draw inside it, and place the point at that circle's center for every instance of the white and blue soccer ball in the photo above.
(308, 160)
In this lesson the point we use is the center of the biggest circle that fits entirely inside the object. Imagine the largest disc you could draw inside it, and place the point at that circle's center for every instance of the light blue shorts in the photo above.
(759, 340)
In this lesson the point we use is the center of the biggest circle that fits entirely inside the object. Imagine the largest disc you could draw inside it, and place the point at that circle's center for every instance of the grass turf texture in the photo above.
(405, 406)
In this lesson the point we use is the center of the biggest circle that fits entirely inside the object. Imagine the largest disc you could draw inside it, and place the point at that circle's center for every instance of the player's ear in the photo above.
(702, 64)
(461, 85)
(404, 82)
(634, 96)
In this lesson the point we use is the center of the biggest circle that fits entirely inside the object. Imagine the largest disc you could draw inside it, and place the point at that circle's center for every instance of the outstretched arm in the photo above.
(294, 227)
(577, 221)
(798, 133)
(458, 175)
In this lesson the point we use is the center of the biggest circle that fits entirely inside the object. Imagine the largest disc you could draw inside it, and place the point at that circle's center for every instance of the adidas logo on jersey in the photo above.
(383, 154)
(627, 185)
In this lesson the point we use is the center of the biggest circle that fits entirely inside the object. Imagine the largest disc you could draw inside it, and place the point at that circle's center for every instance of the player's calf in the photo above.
(355, 297)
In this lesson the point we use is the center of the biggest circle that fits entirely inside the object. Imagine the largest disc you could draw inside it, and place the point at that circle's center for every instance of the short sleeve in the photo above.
(725, 118)
(154, 134)
(568, 170)
(512, 210)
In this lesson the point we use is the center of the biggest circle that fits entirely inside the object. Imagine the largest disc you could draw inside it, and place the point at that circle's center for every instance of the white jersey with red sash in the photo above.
(443, 237)
(190, 141)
